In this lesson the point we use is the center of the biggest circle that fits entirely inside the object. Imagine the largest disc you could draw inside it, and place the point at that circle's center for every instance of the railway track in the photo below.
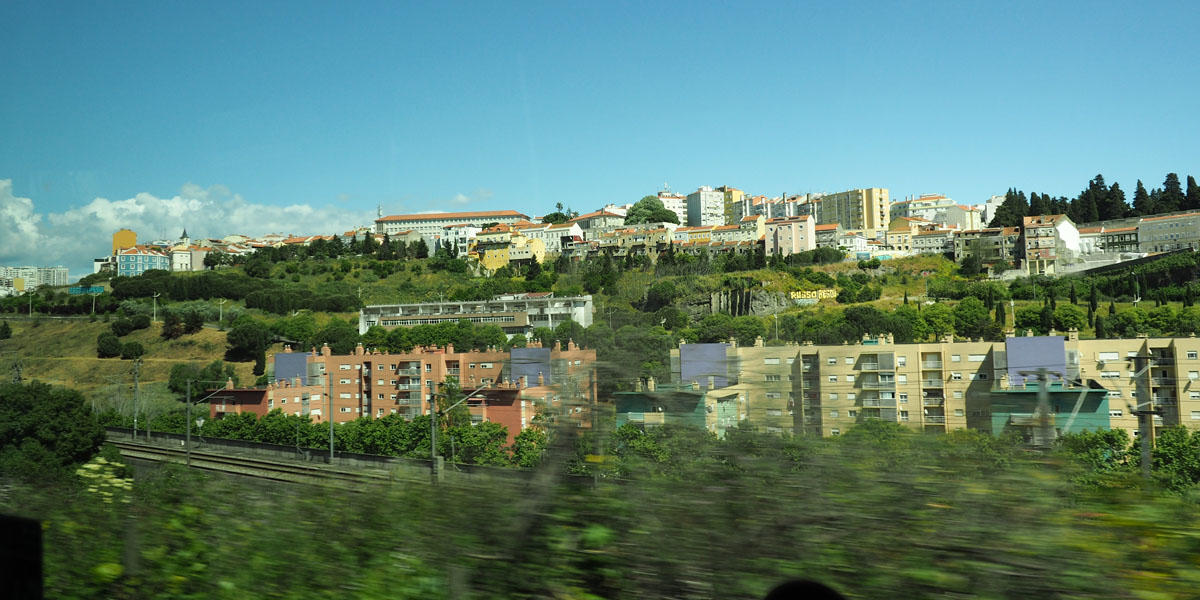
(252, 467)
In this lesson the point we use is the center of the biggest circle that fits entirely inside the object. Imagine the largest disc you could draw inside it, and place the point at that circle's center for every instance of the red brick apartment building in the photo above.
(506, 387)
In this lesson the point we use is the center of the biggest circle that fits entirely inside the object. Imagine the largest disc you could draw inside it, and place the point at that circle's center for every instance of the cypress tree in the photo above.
(1143, 204)
(1074, 297)
(1101, 331)
(1172, 197)
(1192, 198)
(1093, 299)
(1000, 316)
(1112, 308)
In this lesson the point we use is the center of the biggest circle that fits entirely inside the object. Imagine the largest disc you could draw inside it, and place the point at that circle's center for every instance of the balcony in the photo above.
(1162, 381)
(409, 386)
(878, 403)
(453, 372)
(409, 372)
(879, 385)
(940, 420)
(933, 402)
(868, 366)
(931, 364)
(932, 383)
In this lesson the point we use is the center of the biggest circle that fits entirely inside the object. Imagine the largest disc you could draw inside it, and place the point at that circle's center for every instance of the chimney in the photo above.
(325, 351)
(712, 382)
(650, 384)
(733, 342)
(1073, 334)
(358, 349)
(637, 385)
(571, 345)
(557, 345)
(695, 385)
(449, 348)
(523, 382)
(541, 380)
(295, 382)
(287, 348)
(229, 383)
(758, 342)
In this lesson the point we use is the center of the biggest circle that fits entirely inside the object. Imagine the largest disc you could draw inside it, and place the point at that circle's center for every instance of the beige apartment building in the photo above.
(950, 384)
(867, 209)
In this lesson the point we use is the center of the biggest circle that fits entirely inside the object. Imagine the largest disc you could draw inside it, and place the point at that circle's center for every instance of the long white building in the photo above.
(516, 314)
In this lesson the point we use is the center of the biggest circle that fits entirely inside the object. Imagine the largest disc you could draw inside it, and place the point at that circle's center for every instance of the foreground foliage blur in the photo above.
(670, 513)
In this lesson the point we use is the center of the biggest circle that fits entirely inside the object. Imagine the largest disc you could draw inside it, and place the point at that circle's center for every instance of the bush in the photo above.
(108, 345)
(131, 351)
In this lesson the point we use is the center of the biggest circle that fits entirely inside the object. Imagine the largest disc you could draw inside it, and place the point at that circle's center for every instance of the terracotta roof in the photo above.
(1169, 217)
(1119, 229)
(829, 227)
(725, 227)
(1043, 220)
(598, 213)
(481, 214)
(1091, 229)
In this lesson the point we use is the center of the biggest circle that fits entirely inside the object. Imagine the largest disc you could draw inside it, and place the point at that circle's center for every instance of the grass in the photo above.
(63, 352)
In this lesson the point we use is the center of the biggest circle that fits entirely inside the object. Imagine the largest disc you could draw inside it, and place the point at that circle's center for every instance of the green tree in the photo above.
(555, 218)
(132, 350)
(45, 430)
(1143, 204)
(650, 209)
(971, 318)
(5, 330)
(193, 321)
(108, 345)
(1172, 197)
(1176, 457)
(1192, 197)
(1012, 211)
(246, 340)
(172, 326)
(940, 320)
(1069, 316)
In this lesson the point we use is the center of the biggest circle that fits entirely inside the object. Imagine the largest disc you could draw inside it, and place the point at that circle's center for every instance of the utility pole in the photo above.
(188, 422)
(154, 315)
(433, 453)
(221, 311)
(137, 364)
(94, 303)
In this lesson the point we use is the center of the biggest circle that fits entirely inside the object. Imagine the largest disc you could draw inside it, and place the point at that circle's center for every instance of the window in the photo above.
(958, 394)
(904, 415)
(1191, 355)
(770, 361)
(1103, 356)
(976, 357)
(901, 378)
(833, 414)
(833, 379)
(1110, 374)
(850, 396)
(831, 360)
(835, 431)
(1193, 395)
(283, 400)
(958, 412)
(774, 412)
(955, 358)
(791, 360)
(852, 413)
(428, 367)
(773, 378)
(1131, 354)
(956, 376)
(345, 409)
(833, 396)
(381, 396)
(903, 396)
(849, 360)
(1196, 415)
(773, 395)
(849, 379)
(1193, 375)
(901, 361)
(344, 367)
(1115, 413)
(485, 365)
(1114, 393)
(471, 366)
(379, 382)
(380, 367)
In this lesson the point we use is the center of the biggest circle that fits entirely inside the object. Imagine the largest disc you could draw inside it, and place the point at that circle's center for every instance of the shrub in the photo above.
(131, 351)
(108, 345)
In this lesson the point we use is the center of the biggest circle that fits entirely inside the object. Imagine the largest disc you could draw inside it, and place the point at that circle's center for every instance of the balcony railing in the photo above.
(868, 366)
(933, 402)
(878, 403)
(931, 364)
(932, 383)
(409, 386)
(940, 420)
(452, 372)
(412, 372)
(1162, 381)
(878, 385)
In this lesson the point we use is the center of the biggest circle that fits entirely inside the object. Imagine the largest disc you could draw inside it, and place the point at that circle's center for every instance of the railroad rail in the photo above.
(253, 467)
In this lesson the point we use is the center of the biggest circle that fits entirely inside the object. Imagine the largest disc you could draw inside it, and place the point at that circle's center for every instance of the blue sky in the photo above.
(303, 117)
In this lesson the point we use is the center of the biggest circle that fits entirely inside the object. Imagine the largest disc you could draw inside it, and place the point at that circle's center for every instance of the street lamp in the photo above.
(188, 437)
(433, 415)
(221, 311)
(154, 315)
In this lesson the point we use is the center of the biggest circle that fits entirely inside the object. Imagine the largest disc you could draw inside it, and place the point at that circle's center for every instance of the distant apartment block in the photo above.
(731, 204)
(516, 314)
(136, 260)
(867, 210)
(705, 207)
(430, 226)
(947, 385)
(790, 235)
(991, 245)
(509, 387)
(32, 278)
(1048, 239)
(939, 209)
(676, 203)
(1169, 232)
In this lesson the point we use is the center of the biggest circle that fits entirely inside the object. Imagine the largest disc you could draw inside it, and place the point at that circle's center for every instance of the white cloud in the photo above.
(78, 235)
(19, 232)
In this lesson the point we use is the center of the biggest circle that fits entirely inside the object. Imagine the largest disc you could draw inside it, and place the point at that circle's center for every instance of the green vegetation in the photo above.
(670, 512)
(1100, 202)
(44, 431)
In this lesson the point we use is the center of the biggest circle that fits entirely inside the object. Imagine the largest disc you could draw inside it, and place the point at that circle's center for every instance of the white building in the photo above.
(36, 277)
(676, 203)
(552, 235)
(431, 225)
(514, 313)
(705, 206)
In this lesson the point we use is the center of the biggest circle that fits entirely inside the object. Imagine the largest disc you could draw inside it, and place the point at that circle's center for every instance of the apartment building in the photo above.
(511, 385)
(516, 314)
(934, 241)
(867, 209)
(947, 385)
(503, 245)
(991, 245)
(705, 207)
(32, 278)
(654, 404)
(731, 205)
(135, 260)
(790, 235)
(829, 235)
(1047, 240)
(1169, 232)
(430, 226)
(676, 203)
